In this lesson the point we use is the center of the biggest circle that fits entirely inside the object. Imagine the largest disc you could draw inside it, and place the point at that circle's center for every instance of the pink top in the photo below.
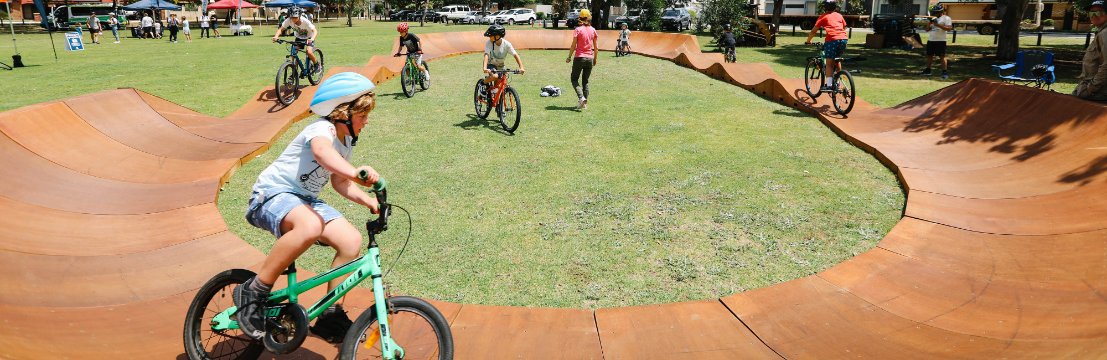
(586, 38)
(835, 26)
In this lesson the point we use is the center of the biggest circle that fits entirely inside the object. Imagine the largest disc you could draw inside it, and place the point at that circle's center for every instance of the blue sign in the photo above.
(73, 41)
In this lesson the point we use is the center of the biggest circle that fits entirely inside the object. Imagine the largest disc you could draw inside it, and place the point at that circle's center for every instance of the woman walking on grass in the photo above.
(582, 53)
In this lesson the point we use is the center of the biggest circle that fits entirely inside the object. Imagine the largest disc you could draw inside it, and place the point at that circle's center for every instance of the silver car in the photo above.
(474, 17)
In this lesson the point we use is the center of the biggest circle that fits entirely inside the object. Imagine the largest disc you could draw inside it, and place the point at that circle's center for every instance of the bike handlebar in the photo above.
(380, 189)
(504, 71)
(283, 41)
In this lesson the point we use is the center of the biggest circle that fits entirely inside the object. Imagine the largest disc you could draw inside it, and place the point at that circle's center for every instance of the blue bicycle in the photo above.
(295, 68)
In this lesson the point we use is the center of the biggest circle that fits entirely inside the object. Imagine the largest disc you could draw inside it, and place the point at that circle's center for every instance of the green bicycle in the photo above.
(393, 328)
(842, 91)
(411, 75)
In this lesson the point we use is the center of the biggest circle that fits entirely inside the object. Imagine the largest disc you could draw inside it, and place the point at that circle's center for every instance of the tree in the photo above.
(778, 8)
(651, 14)
(562, 8)
(1012, 11)
(720, 12)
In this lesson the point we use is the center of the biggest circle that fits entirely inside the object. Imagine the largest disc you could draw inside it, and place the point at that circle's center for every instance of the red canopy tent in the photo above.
(231, 4)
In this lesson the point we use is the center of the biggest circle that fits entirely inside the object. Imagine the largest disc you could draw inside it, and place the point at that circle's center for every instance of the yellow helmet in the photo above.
(586, 14)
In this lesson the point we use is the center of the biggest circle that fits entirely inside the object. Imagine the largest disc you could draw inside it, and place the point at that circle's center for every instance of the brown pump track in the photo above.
(109, 227)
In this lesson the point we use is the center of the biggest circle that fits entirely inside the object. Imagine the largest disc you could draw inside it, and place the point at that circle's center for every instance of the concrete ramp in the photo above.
(109, 226)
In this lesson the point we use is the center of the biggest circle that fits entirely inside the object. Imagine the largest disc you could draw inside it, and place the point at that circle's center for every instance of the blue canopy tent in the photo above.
(291, 3)
(153, 5)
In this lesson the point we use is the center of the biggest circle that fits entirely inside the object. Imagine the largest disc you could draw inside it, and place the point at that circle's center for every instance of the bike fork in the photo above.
(390, 349)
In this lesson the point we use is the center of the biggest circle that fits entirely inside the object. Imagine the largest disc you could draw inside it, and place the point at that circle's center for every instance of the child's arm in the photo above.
(485, 67)
(572, 48)
(348, 189)
(595, 50)
(519, 61)
(330, 159)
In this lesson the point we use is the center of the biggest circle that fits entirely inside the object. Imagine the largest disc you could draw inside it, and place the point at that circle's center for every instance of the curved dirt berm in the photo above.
(109, 225)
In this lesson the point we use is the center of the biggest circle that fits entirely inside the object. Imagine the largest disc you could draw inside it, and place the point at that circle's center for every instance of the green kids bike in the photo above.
(399, 327)
(410, 75)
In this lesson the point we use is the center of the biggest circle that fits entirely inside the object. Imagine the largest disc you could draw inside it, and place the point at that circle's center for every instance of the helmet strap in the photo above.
(349, 125)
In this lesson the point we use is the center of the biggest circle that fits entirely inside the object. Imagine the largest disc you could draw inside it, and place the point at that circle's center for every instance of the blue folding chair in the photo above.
(1031, 67)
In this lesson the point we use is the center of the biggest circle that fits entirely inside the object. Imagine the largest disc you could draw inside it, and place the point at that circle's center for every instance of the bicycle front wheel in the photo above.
(200, 340)
(481, 103)
(813, 77)
(414, 324)
(424, 82)
(844, 92)
(315, 73)
(407, 81)
(287, 82)
(509, 110)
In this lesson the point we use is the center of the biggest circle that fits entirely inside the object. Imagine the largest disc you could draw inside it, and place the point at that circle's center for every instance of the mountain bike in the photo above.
(501, 96)
(622, 49)
(842, 90)
(728, 55)
(411, 75)
(394, 327)
(287, 84)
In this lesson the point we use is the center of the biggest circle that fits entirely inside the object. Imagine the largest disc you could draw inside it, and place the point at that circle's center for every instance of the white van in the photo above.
(454, 12)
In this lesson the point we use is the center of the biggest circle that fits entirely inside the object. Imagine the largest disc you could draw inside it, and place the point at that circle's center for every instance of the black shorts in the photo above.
(936, 48)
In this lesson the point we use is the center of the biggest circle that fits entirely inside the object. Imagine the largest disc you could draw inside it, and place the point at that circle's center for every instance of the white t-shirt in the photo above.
(497, 54)
(624, 35)
(204, 21)
(937, 33)
(296, 170)
(147, 21)
(302, 31)
(184, 24)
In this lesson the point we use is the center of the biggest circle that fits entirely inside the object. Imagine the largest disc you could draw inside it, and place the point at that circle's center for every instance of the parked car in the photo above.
(677, 19)
(491, 18)
(632, 18)
(454, 12)
(431, 16)
(399, 15)
(473, 17)
(571, 18)
(514, 16)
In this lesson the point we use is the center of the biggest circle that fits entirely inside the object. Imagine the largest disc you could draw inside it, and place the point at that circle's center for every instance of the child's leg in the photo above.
(300, 228)
(341, 235)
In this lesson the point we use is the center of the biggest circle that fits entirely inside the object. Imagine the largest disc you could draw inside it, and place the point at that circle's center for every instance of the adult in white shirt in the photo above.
(205, 24)
(304, 31)
(147, 26)
(936, 44)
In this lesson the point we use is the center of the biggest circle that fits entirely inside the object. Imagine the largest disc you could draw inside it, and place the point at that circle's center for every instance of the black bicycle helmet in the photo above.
(726, 27)
(830, 4)
(495, 29)
(295, 12)
(937, 8)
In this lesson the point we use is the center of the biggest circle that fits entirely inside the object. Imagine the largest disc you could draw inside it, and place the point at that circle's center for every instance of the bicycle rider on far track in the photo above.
(411, 42)
(286, 202)
(304, 30)
(624, 36)
(727, 39)
(495, 52)
(836, 39)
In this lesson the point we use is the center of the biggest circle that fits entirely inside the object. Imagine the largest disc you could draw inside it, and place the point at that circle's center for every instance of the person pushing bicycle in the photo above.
(836, 38)
(285, 200)
(414, 48)
(495, 52)
(304, 31)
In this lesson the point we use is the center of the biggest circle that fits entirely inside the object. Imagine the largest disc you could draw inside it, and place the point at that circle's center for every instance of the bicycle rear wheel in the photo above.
(407, 81)
(813, 77)
(415, 325)
(844, 93)
(287, 83)
(200, 340)
(481, 103)
(315, 73)
(424, 82)
(509, 110)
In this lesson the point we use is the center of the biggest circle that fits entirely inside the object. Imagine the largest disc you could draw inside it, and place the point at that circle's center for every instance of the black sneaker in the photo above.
(251, 309)
(332, 325)
(925, 72)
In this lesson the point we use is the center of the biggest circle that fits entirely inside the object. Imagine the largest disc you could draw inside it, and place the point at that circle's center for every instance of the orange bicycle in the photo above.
(500, 96)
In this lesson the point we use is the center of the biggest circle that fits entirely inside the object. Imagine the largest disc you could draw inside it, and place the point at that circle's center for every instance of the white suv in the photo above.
(514, 16)
(454, 12)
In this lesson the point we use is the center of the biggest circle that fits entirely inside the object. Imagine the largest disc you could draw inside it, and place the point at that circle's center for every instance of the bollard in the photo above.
(1087, 40)
(954, 36)
(1039, 38)
(793, 29)
(850, 32)
(995, 38)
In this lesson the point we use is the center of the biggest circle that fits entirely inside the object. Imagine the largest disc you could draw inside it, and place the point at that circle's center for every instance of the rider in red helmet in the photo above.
(414, 48)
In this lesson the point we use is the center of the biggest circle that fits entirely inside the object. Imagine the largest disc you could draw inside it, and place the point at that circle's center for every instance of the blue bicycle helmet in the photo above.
(340, 89)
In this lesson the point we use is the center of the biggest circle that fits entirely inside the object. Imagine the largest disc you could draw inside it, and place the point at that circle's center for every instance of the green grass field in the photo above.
(672, 186)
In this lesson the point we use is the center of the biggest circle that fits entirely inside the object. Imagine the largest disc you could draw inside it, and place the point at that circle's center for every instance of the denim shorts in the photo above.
(267, 213)
(834, 49)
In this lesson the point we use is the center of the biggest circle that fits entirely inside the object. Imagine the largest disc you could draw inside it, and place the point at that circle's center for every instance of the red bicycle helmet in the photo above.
(402, 27)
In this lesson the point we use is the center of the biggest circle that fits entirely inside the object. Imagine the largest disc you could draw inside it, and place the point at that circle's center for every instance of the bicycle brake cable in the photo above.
(398, 256)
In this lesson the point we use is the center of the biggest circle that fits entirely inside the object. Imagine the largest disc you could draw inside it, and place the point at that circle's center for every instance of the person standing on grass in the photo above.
(174, 25)
(147, 23)
(1093, 73)
(205, 24)
(215, 24)
(113, 23)
(836, 38)
(157, 29)
(185, 29)
(94, 28)
(936, 43)
(582, 54)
